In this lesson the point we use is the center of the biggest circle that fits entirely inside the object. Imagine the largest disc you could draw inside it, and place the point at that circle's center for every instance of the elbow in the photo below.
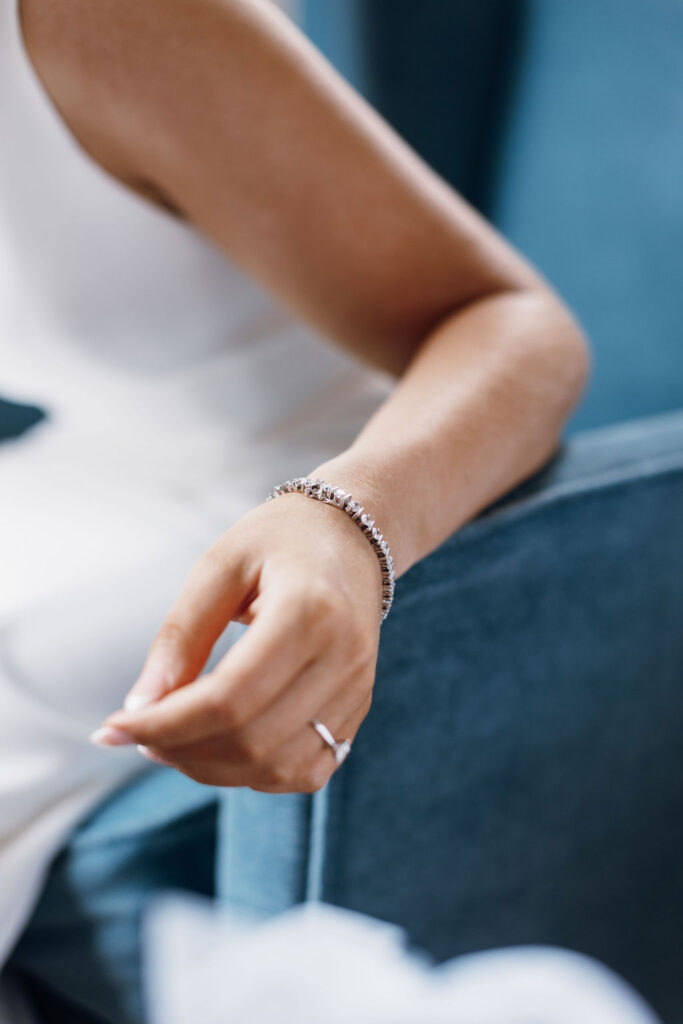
(557, 367)
(540, 347)
(570, 353)
(576, 354)
(544, 362)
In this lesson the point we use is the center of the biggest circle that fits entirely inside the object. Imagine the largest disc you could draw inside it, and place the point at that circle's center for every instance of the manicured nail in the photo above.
(135, 701)
(146, 752)
(150, 686)
(108, 736)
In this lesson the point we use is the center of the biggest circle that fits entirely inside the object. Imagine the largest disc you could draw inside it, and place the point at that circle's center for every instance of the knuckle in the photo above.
(279, 775)
(228, 711)
(358, 691)
(360, 654)
(202, 570)
(196, 773)
(219, 707)
(178, 650)
(249, 749)
(172, 635)
(320, 604)
(231, 714)
(327, 603)
(316, 776)
(308, 779)
(366, 704)
(359, 674)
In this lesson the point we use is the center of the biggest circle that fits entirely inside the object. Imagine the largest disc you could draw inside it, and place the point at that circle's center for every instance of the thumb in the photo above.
(216, 592)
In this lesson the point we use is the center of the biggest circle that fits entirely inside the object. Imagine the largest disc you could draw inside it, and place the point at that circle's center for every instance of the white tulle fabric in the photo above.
(178, 392)
(319, 963)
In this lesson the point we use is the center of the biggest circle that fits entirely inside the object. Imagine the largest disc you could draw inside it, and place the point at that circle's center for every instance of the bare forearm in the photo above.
(480, 407)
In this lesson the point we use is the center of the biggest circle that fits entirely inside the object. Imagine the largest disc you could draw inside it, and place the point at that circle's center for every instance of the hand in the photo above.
(307, 582)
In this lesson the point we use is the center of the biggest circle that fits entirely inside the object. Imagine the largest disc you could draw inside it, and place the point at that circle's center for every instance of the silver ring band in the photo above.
(340, 748)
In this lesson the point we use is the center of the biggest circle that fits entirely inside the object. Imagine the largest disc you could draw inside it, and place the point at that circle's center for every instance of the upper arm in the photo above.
(225, 109)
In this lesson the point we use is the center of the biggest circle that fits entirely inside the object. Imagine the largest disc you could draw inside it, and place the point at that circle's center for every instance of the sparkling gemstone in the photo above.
(342, 751)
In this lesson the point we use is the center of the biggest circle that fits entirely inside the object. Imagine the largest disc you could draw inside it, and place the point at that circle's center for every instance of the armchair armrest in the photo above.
(518, 778)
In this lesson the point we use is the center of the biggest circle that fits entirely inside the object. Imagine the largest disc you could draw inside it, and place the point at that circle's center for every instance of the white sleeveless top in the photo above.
(178, 392)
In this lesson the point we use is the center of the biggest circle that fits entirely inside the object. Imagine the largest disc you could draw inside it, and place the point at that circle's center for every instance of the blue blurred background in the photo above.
(563, 122)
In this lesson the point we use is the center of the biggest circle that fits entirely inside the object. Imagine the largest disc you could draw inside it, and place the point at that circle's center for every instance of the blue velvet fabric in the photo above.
(518, 778)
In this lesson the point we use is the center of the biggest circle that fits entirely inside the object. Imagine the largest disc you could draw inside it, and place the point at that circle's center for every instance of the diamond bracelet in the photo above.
(314, 487)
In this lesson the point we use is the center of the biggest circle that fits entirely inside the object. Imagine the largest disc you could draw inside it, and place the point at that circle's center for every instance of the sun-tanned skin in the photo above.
(222, 111)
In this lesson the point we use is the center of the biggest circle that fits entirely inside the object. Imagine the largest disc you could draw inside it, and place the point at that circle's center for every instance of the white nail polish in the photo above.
(135, 701)
(146, 752)
(108, 736)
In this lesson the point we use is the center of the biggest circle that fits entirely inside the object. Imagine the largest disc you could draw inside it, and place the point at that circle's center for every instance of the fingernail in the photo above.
(135, 701)
(108, 736)
(149, 687)
(146, 752)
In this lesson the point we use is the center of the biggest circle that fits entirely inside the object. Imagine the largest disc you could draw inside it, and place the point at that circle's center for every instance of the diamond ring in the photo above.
(340, 748)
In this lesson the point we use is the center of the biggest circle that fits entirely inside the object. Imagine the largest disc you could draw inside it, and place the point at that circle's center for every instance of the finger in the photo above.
(255, 742)
(276, 647)
(216, 591)
(209, 774)
(300, 749)
(333, 682)
(303, 765)
(306, 763)
(321, 684)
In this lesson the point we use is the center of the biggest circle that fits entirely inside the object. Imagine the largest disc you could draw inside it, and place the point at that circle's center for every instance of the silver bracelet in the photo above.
(314, 487)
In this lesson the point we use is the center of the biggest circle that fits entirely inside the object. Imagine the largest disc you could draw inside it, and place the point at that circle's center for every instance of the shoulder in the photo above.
(116, 68)
(117, 45)
(84, 52)
(227, 111)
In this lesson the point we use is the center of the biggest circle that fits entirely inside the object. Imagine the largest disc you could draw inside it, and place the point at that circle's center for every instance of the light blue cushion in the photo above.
(81, 954)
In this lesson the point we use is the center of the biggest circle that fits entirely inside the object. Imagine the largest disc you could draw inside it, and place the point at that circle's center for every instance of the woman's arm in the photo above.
(479, 407)
(222, 111)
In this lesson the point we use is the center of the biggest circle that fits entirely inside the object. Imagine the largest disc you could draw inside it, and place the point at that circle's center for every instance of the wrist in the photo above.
(354, 474)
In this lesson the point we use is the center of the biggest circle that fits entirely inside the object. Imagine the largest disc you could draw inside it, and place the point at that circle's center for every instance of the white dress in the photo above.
(178, 392)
